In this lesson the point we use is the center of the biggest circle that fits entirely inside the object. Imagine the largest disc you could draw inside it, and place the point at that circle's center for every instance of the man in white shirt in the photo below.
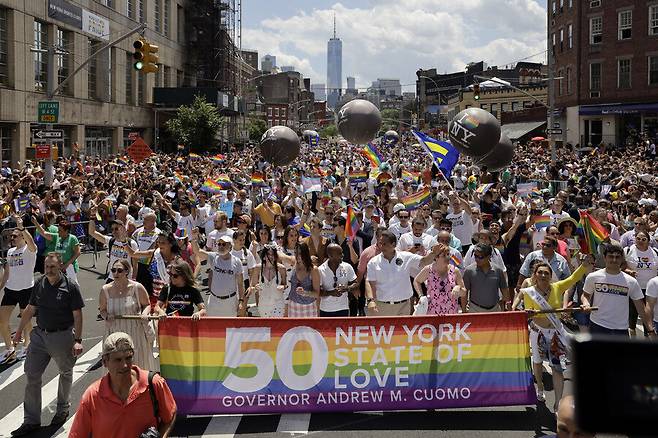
(610, 290)
(337, 281)
(18, 280)
(462, 220)
(221, 229)
(389, 277)
(416, 242)
(246, 202)
(403, 225)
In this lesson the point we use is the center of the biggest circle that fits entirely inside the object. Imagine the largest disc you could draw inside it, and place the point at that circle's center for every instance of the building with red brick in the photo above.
(606, 54)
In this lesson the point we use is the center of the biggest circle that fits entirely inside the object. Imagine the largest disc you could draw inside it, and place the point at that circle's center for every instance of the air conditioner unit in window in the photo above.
(594, 94)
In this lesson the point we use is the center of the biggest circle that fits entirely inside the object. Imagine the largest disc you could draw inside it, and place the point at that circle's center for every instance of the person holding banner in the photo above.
(444, 284)
(338, 279)
(483, 280)
(303, 300)
(179, 297)
(269, 281)
(548, 338)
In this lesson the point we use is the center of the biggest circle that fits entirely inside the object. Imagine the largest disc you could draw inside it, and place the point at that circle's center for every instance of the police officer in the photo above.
(57, 335)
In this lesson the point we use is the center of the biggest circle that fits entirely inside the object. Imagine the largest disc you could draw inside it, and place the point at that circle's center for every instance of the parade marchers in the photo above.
(279, 251)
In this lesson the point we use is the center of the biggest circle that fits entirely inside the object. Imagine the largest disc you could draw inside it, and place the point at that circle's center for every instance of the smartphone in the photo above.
(616, 384)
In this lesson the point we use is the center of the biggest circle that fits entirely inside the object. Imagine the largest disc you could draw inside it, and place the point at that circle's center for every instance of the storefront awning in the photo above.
(517, 130)
(631, 108)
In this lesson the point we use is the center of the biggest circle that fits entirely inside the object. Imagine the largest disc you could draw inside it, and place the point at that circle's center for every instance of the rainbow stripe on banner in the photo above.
(259, 365)
(416, 200)
(371, 153)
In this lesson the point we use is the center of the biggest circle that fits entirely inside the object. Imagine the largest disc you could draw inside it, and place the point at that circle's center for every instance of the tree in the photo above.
(256, 128)
(196, 126)
(390, 119)
(329, 131)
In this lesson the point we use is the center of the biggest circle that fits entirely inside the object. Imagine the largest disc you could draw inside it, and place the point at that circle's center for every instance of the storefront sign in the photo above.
(79, 18)
(254, 365)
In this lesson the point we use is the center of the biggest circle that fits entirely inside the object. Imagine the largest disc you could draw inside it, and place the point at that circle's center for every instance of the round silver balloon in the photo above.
(279, 145)
(307, 133)
(391, 138)
(474, 132)
(391, 133)
(500, 156)
(358, 121)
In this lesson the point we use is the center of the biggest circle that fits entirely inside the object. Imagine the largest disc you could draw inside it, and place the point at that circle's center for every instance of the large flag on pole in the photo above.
(443, 153)
(593, 233)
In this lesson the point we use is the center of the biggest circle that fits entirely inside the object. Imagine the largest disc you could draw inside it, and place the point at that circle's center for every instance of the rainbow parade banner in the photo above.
(254, 365)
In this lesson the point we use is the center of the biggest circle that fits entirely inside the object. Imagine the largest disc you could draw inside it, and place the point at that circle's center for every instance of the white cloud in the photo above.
(394, 38)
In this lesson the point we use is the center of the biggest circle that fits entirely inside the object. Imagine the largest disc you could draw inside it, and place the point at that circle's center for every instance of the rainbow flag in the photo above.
(219, 158)
(224, 181)
(352, 223)
(178, 177)
(542, 222)
(592, 231)
(455, 260)
(258, 179)
(417, 199)
(483, 188)
(409, 176)
(211, 186)
(194, 157)
(282, 365)
(371, 153)
(357, 177)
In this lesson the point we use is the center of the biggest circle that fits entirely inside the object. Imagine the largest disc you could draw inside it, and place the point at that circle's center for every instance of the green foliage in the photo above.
(390, 119)
(196, 126)
(256, 128)
(329, 131)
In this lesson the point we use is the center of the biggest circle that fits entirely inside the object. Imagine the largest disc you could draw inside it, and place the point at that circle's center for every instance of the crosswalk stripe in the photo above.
(49, 392)
(12, 373)
(222, 426)
(294, 423)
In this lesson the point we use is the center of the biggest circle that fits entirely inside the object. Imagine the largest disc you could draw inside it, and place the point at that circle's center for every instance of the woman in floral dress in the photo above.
(444, 283)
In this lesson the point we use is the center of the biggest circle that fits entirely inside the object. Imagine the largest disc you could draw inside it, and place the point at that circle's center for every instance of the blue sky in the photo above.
(393, 38)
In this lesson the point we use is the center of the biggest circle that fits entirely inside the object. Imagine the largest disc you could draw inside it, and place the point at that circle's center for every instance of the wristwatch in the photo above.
(78, 340)
(370, 300)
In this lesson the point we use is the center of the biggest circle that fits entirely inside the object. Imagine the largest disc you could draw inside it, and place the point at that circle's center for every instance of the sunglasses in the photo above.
(547, 245)
(335, 282)
(480, 256)
(117, 270)
(279, 236)
(174, 275)
(222, 244)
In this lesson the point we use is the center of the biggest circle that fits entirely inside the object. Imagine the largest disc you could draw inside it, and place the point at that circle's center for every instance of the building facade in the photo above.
(268, 63)
(606, 53)
(320, 91)
(334, 70)
(107, 100)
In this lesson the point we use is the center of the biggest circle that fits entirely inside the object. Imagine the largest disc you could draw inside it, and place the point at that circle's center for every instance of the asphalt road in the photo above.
(523, 421)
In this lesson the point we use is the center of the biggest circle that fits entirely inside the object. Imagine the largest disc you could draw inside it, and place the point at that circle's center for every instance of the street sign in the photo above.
(55, 134)
(42, 151)
(48, 112)
(139, 150)
(554, 131)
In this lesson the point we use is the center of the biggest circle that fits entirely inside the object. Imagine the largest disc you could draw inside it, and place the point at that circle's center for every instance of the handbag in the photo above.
(152, 432)
(422, 306)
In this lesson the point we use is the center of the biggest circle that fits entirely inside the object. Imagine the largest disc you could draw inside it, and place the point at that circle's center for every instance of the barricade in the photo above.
(248, 365)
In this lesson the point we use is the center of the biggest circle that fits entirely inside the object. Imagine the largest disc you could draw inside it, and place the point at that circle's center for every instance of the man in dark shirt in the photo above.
(513, 228)
(57, 335)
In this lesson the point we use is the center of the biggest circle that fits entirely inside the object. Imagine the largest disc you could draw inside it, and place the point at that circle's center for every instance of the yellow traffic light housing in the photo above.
(145, 56)
(476, 91)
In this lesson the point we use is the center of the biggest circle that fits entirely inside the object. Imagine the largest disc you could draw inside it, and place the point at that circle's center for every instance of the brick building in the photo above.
(606, 53)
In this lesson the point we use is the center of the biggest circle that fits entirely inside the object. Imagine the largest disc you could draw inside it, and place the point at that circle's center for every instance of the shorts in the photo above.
(13, 297)
(545, 345)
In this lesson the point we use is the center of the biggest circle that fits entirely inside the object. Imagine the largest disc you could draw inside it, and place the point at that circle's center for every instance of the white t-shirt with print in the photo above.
(118, 252)
(462, 226)
(610, 293)
(344, 275)
(20, 262)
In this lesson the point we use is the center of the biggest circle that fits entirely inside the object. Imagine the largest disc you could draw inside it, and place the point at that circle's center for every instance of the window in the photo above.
(269, 112)
(653, 70)
(92, 69)
(560, 83)
(283, 112)
(167, 76)
(157, 12)
(141, 89)
(516, 106)
(276, 112)
(527, 104)
(594, 3)
(571, 3)
(624, 73)
(141, 16)
(653, 20)
(554, 2)
(4, 58)
(108, 3)
(625, 24)
(595, 30)
(553, 38)
(40, 58)
(130, 97)
(167, 14)
(494, 109)
(504, 107)
(5, 144)
(484, 106)
(180, 78)
(595, 76)
(64, 43)
(561, 5)
(130, 9)
(570, 36)
(568, 78)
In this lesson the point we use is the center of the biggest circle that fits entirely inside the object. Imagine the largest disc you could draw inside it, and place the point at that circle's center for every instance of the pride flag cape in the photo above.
(416, 200)
(542, 222)
(351, 224)
(283, 365)
(592, 231)
(371, 153)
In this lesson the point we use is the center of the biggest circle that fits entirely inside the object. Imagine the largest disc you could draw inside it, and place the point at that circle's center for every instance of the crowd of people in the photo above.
(276, 247)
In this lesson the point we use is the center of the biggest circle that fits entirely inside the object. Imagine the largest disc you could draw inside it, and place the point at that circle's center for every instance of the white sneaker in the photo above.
(8, 356)
(541, 397)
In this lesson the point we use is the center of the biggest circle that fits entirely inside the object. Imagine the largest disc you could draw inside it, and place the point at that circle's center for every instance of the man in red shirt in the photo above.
(119, 404)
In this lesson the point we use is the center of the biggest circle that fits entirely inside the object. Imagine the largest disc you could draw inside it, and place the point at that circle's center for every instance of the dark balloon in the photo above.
(474, 132)
(391, 138)
(279, 145)
(500, 156)
(359, 121)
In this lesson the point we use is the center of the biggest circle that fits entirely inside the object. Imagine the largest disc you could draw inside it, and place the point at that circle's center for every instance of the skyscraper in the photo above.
(334, 69)
(267, 63)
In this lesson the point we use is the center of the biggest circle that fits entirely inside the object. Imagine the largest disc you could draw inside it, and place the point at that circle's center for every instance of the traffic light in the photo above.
(476, 91)
(145, 56)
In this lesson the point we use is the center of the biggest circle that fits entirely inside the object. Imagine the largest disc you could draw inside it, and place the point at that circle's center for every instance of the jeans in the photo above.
(338, 313)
